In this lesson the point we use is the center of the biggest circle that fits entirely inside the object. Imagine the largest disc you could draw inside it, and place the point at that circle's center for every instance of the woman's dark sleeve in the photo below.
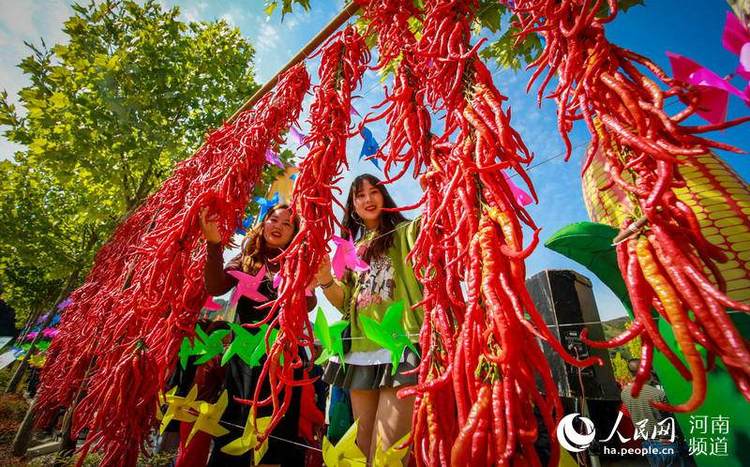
(218, 282)
(311, 302)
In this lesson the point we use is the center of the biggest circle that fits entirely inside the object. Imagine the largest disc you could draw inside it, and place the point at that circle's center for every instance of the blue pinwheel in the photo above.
(369, 146)
(266, 205)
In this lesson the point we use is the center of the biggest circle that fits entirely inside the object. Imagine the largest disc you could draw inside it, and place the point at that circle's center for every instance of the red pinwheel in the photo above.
(211, 305)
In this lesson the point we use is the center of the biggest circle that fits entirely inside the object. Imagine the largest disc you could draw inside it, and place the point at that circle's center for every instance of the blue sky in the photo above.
(692, 28)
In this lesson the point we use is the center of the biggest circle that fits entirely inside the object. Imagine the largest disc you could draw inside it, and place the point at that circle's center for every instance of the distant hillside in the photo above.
(614, 326)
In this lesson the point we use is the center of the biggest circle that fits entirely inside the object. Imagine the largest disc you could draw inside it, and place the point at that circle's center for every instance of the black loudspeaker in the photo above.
(566, 301)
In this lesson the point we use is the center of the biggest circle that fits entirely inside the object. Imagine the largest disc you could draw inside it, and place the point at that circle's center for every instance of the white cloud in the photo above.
(17, 18)
(25, 21)
(268, 36)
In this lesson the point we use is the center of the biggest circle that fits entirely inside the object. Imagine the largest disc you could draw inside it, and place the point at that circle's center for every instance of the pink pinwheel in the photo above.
(247, 286)
(346, 257)
(31, 336)
(736, 39)
(277, 283)
(273, 158)
(50, 333)
(522, 198)
(713, 90)
(211, 305)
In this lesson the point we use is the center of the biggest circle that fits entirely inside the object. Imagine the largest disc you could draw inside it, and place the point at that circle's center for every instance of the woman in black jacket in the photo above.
(261, 245)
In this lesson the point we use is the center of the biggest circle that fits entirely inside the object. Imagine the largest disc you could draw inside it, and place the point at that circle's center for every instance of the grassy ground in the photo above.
(12, 410)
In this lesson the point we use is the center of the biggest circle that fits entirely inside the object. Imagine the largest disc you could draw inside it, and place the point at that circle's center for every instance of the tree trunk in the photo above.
(67, 443)
(33, 316)
(23, 435)
(16, 378)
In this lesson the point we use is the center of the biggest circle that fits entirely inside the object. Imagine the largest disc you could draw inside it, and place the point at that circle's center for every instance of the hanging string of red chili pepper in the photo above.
(667, 263)
(145, 290)
(344, 60)
(408, 120)
(480, 358)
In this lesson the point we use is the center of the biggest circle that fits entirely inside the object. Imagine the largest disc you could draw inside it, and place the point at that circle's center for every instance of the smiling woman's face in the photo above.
(278, 229)
(368, 204)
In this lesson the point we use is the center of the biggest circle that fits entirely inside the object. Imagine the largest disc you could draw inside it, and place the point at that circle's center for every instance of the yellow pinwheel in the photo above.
(249, 439)
(37, 360)
(178, 407)
(393, 456)
(345, 453)
(209, 416)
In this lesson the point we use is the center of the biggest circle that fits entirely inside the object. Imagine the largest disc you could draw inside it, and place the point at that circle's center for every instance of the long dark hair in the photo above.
(353, 226)
(254, 248)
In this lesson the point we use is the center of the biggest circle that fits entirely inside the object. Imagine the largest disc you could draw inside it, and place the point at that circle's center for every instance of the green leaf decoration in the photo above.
(590, 244)
(329, 337)
(389, 333)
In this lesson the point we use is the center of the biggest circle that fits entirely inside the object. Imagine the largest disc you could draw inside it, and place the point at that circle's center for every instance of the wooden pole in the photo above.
(349, 10)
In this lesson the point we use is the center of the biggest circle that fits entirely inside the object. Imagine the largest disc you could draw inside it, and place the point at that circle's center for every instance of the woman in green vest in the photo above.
(383, 239)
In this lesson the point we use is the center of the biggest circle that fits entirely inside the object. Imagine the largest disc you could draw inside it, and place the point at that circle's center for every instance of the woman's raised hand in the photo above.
(324, 276)
(209, 227)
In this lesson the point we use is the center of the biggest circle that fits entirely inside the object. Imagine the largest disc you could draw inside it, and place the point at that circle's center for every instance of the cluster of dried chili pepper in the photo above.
(118, 341)
(666, 261)
(344, 60)
(477, 392)
(407, 118)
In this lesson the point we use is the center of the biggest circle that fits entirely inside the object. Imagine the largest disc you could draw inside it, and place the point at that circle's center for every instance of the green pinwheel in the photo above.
(248, 346)
(186, 351)
(208, 346)
(329, 337)
(390, 333)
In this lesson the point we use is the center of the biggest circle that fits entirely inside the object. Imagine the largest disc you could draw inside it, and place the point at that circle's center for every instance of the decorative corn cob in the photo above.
(719, 197)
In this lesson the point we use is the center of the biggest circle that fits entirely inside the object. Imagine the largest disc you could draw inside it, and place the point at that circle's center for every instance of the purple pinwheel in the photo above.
(297, 136)
(64, 304)
(273, 158)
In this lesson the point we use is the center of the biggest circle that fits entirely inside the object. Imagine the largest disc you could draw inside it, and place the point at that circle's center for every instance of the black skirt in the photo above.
(240, 382)
(379, 376)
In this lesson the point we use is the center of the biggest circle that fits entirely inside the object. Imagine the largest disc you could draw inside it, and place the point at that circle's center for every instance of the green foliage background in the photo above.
(103, 120)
